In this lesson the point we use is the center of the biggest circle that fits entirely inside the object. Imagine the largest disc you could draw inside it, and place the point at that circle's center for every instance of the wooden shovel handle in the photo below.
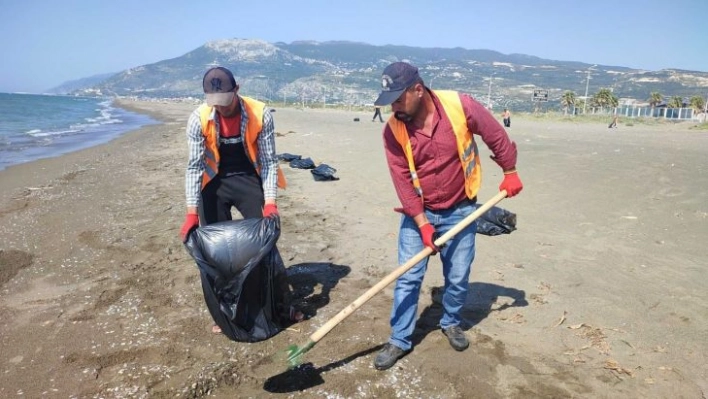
(346, 312)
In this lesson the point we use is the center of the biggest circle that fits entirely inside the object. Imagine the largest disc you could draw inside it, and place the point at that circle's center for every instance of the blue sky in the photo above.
(47, 42)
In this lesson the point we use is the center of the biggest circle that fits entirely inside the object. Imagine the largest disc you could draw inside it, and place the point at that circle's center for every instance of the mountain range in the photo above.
(348, 73)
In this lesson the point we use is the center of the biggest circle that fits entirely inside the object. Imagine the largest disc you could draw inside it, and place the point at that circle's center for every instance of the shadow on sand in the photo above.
(481, 302)
(312, 283)
(307, 376)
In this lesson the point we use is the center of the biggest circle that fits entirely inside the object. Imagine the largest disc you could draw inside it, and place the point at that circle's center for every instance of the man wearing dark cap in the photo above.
(435, 168)
(232, 158)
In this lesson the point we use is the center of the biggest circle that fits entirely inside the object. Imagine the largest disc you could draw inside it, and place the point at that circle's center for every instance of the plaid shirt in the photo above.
(267, 159)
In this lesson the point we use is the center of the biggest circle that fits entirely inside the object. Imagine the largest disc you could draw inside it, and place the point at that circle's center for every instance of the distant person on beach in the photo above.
(506, 116)
(614, 122)
(377, 112)
(232, 159)
(435, 168)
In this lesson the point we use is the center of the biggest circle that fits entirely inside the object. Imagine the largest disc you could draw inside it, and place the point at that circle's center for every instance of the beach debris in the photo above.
(324, 172)
(539, 299)
(592, 334)
(561, 320)
(496, 221)
(612, 364)
(300, 163)
(517, 318)
(627, 343)
(287, 157)
(28, 192)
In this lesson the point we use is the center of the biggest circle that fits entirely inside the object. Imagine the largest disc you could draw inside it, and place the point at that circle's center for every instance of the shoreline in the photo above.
(51, 166)
(86, 137)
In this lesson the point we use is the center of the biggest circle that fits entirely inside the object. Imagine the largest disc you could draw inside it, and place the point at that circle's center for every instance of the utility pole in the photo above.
(587, 85)
(489, 92)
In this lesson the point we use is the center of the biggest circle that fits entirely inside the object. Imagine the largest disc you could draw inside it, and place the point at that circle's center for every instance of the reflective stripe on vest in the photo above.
(466, 146)
(253, 118)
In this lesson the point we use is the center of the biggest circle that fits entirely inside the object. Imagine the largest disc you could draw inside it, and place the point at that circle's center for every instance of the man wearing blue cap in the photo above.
(435, 168)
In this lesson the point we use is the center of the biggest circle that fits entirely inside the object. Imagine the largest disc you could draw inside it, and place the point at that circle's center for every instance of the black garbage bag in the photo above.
(287, 157)
(496, 221)
(324, 172)
(302, 163)
(243, 276)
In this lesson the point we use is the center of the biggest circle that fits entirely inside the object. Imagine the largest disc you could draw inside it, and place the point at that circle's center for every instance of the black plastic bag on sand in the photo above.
(287, 157)
(243, 276)
(496, 221)
(305, 163)
(324, 172)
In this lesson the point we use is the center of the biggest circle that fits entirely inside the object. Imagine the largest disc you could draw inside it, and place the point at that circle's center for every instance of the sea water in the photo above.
(41, 126)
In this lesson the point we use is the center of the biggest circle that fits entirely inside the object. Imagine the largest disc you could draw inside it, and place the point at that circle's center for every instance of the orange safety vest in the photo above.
(254, 114)
(466, 147)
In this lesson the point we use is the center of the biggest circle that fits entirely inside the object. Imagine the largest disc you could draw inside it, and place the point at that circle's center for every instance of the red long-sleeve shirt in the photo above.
(436, 158)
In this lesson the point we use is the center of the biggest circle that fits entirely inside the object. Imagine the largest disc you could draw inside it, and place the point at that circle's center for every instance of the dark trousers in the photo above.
(377, 113)
(244, 192)
(507, 122)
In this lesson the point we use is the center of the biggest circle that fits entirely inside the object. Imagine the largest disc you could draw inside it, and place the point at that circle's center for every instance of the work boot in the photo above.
(457, 338)
(388, 356)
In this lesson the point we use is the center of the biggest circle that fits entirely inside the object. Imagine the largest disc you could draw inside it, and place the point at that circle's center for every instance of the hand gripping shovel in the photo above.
(295, 352)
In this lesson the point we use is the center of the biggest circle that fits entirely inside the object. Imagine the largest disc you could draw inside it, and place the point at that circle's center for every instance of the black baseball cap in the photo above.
(219, 85)
(396, 78)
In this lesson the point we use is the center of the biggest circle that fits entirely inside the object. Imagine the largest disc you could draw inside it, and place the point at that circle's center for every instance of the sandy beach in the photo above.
(600, 293)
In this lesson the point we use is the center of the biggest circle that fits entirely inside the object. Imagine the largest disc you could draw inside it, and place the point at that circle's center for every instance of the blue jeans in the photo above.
(456, 255)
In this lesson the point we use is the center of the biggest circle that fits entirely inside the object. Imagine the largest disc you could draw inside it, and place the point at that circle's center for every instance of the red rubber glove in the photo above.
(427, 233)
(511, 184)
(191, 222)
(270, 210)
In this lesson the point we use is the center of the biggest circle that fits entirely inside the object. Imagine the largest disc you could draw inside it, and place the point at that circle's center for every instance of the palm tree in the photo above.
(605, 98)
(567, 99)
(655, 98)
(675, 102)
(580, 103)
(697, 103)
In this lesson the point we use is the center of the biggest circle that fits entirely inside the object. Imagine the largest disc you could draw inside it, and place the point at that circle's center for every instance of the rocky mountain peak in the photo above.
(242, 49)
